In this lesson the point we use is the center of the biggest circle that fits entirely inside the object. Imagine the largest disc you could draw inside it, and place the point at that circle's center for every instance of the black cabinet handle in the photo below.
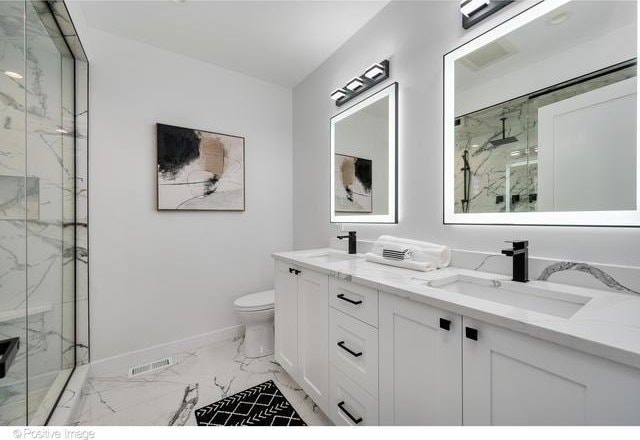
(348, 414)
(351, 352)
(445, 324)
(471, 333)
(297, 271)
(291, 269)
(344, 298)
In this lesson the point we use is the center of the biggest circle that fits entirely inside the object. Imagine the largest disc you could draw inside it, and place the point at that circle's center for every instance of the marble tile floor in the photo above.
(169, 396)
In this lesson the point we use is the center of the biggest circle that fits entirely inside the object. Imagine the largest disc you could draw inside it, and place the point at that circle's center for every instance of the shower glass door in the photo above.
(13, 210)
(37, 210)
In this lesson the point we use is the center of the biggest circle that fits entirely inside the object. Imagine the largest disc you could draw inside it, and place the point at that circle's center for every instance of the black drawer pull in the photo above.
(471, 333)
(348, 414)
(351, 352)
(344, 298)
(445, 324)
(291, 269)
(297, 271)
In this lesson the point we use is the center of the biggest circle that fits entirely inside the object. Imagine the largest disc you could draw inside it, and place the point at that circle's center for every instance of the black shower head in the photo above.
(504, 140)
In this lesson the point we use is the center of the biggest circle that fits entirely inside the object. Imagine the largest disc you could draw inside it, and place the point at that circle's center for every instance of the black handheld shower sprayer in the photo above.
(466, 172)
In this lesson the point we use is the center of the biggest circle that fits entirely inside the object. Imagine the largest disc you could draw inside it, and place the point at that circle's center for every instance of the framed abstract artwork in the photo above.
(199, 170)
(353, 184)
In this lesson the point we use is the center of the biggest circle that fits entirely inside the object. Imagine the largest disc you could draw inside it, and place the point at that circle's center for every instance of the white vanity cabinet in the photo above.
(420, 364)
(513, 379)
(476, 373)
(353, 353)
(286, 318)
(368, 357)
(302, 328)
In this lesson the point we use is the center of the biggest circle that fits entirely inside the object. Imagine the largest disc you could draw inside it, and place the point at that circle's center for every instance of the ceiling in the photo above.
(277, 41)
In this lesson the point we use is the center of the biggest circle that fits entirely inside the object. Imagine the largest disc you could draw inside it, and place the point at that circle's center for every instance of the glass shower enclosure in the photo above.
(43, 227)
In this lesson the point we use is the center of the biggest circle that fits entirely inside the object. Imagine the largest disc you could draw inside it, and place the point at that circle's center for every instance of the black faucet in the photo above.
(520, 255)
(352, 241)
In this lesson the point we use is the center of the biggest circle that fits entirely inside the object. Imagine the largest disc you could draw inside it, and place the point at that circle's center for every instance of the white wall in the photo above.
(415, 36)
(156, 276)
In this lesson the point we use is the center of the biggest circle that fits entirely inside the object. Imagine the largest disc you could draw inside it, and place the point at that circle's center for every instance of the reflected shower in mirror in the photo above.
(541, 119)
(363, 153)
(503, 169)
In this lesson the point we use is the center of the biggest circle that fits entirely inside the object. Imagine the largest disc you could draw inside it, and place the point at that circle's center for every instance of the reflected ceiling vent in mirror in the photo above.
(488, 54)
(474, 11)
(372, 76)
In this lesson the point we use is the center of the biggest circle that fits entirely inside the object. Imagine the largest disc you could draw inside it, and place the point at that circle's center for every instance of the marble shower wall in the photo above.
(43, 204)
(80, 224)
(504, 178)
(13, 211)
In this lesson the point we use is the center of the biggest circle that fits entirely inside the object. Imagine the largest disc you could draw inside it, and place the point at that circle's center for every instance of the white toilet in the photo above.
(256, 312)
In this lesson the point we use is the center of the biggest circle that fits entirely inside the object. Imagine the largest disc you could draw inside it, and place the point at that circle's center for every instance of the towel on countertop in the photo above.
(419, 255)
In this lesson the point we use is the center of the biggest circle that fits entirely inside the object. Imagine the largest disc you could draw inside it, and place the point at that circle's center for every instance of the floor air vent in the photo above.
(150, 366)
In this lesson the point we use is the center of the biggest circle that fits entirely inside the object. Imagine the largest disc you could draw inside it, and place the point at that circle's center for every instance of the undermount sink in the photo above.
(521, 295)
(333, 257)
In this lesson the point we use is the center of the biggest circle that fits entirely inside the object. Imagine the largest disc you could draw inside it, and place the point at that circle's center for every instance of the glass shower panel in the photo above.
(18, 201)
(50, 256)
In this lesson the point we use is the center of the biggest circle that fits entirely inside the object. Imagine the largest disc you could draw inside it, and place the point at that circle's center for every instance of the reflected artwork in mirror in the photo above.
(541, 119)
(363, 154)
(353, 183)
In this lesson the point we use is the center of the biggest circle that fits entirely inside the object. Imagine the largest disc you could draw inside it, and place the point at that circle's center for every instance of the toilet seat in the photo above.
(255, 301)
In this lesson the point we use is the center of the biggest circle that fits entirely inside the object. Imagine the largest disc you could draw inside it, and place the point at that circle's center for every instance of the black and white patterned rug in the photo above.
(262, 405)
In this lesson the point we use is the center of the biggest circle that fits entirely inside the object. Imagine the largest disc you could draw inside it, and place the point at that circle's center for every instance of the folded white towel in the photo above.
(427, 256)
(407, 264)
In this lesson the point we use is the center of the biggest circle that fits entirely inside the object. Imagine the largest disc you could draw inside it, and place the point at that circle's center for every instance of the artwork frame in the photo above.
(199, 170)
(366, 196)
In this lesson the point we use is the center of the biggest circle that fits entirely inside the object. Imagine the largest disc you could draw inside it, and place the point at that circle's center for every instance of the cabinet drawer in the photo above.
(348, 403)
(358, 301)
(353, 349)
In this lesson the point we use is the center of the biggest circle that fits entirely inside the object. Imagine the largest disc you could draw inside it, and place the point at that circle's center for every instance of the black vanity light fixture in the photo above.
(474, 11)
(372, 76)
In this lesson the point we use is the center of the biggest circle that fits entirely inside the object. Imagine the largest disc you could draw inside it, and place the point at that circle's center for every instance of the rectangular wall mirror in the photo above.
(540, 119)
(363, 158)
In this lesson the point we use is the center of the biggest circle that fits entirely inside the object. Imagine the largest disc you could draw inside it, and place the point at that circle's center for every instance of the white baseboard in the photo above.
(120, 364)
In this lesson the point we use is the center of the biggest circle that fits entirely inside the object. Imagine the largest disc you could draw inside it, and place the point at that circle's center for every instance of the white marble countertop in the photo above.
(607, 326)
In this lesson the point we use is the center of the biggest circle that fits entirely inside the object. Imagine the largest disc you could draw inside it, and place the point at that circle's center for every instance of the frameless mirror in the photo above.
(541, 119)
(363, 158)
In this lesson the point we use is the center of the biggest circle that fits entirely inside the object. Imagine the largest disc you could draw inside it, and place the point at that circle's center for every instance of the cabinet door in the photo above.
(514, 379)
(313, 336)
(286, 319)
(420, 364)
